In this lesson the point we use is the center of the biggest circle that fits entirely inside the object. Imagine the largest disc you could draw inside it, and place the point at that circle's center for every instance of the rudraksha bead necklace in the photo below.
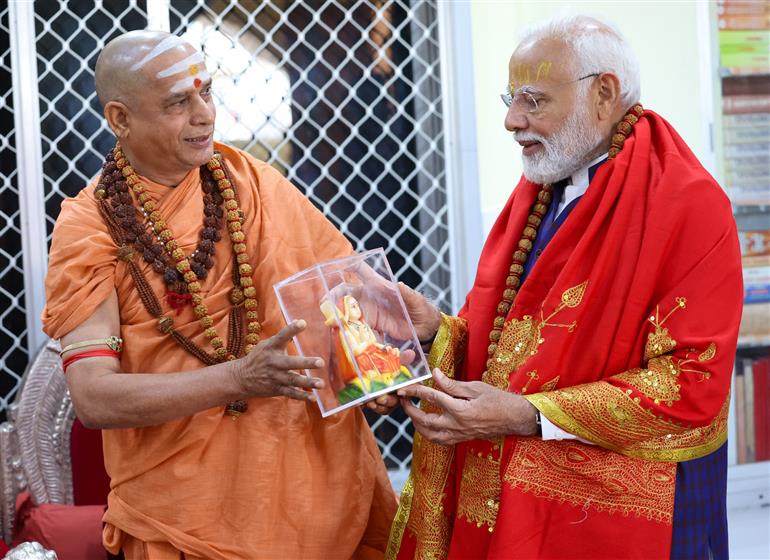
(120, 214)
(154, 253)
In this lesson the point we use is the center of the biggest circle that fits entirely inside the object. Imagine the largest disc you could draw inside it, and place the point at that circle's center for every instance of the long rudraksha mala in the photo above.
(524, 246)
(181, 274)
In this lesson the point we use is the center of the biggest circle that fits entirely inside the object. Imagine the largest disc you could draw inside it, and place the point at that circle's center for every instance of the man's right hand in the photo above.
(425, 317)
(104, 397)
(268, 371)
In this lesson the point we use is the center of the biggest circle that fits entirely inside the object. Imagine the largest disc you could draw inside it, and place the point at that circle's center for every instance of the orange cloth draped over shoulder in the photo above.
(623, 334)
(279, 481)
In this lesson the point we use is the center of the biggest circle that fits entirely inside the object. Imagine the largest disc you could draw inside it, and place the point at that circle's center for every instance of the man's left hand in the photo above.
(471, 410)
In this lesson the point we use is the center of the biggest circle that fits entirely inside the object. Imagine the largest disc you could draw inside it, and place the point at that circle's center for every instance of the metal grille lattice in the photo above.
(75, 137)
(13, 328)
(342, 96)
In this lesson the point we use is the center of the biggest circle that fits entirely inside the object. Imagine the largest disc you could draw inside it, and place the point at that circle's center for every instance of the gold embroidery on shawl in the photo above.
(658, 382)
(479, 498)
(480, 486)
(532, 376)
(573, 296)
(550, 385)
(422, 512)
(427, 521)
(608, 416)
(709, 353)
(660, 342)
(593, 477)
(521, 338)
(518, 341)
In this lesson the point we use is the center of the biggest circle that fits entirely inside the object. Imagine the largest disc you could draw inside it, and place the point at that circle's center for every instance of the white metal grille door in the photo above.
(342, 96)
(13, 331)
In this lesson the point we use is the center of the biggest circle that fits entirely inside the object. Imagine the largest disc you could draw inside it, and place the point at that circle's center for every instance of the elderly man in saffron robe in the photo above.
(580, 405)
(174, 249)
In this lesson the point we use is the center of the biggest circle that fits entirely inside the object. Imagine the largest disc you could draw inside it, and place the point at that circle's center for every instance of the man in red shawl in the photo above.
(580, 410)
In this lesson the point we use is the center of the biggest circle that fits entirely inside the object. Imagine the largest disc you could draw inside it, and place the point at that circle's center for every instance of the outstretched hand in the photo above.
(268, 371)
(470, 410)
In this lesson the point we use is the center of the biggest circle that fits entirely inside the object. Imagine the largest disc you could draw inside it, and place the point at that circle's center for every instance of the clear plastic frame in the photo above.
(358, 324)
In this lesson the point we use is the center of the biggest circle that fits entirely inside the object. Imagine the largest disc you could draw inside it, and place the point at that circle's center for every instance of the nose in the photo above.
(515, 119)
(203, 112)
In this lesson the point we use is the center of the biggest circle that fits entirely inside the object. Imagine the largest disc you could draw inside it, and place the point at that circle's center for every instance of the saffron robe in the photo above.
(623, 334)
(279, 481)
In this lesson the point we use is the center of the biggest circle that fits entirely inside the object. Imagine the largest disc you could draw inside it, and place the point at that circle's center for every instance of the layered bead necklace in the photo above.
(535, 218)
(182, 274)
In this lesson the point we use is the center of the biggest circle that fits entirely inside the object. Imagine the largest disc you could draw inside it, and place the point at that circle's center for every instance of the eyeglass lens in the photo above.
(523, 101)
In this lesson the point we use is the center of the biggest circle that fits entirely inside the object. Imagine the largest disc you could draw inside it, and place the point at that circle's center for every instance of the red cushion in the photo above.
(90, 483)
(73, 532)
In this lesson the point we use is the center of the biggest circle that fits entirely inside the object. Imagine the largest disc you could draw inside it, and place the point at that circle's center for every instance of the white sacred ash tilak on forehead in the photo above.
(194, 59)
(166, 44)
(193, 66)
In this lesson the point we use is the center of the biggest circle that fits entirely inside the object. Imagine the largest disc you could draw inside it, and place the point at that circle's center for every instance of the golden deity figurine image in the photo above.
(356, 344)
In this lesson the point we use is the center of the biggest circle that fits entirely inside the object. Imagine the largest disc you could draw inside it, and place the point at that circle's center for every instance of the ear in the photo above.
(117, 115)
(608, 95)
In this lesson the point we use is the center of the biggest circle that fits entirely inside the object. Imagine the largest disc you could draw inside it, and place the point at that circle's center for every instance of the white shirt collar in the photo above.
(577, 184)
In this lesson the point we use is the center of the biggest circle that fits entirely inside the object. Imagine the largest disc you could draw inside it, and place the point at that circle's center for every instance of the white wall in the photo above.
(665, 36)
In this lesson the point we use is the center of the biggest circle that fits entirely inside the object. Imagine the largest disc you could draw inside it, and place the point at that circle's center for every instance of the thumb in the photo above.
(450, 386)
(411, 298)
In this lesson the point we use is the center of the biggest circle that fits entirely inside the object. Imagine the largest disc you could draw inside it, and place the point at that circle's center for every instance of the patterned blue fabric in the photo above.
(700, 508)
(700, 511)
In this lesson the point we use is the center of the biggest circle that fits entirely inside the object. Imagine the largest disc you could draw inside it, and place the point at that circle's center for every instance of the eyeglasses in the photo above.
(526, 102)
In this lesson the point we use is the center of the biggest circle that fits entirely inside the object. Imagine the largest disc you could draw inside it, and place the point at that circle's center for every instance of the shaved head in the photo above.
(119, 68)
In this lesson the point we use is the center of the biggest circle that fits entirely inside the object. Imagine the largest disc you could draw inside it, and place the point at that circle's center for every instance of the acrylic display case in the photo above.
(358, 324)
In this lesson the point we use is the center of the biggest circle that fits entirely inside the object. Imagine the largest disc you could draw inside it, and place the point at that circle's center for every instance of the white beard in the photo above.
(565, 151)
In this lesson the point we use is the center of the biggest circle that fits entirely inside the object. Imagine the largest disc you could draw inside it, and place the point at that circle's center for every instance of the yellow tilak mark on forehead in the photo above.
(193, 69)
(543, 69)
(522, 74)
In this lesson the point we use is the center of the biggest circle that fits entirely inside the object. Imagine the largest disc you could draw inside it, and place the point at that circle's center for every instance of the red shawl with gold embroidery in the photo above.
(623, 334)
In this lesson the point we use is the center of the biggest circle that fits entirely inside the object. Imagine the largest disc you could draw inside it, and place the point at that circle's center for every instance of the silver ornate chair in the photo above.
(35, 441)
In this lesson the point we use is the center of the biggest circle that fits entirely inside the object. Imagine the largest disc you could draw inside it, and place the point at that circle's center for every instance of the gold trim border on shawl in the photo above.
(608, 416)
(423, 492)
(399, 522)
(588, 476)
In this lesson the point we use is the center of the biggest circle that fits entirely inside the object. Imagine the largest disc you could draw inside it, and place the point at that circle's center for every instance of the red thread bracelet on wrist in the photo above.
(89, 354)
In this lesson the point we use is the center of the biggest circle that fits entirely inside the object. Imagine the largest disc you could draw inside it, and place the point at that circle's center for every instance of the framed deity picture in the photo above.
(358, 324)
